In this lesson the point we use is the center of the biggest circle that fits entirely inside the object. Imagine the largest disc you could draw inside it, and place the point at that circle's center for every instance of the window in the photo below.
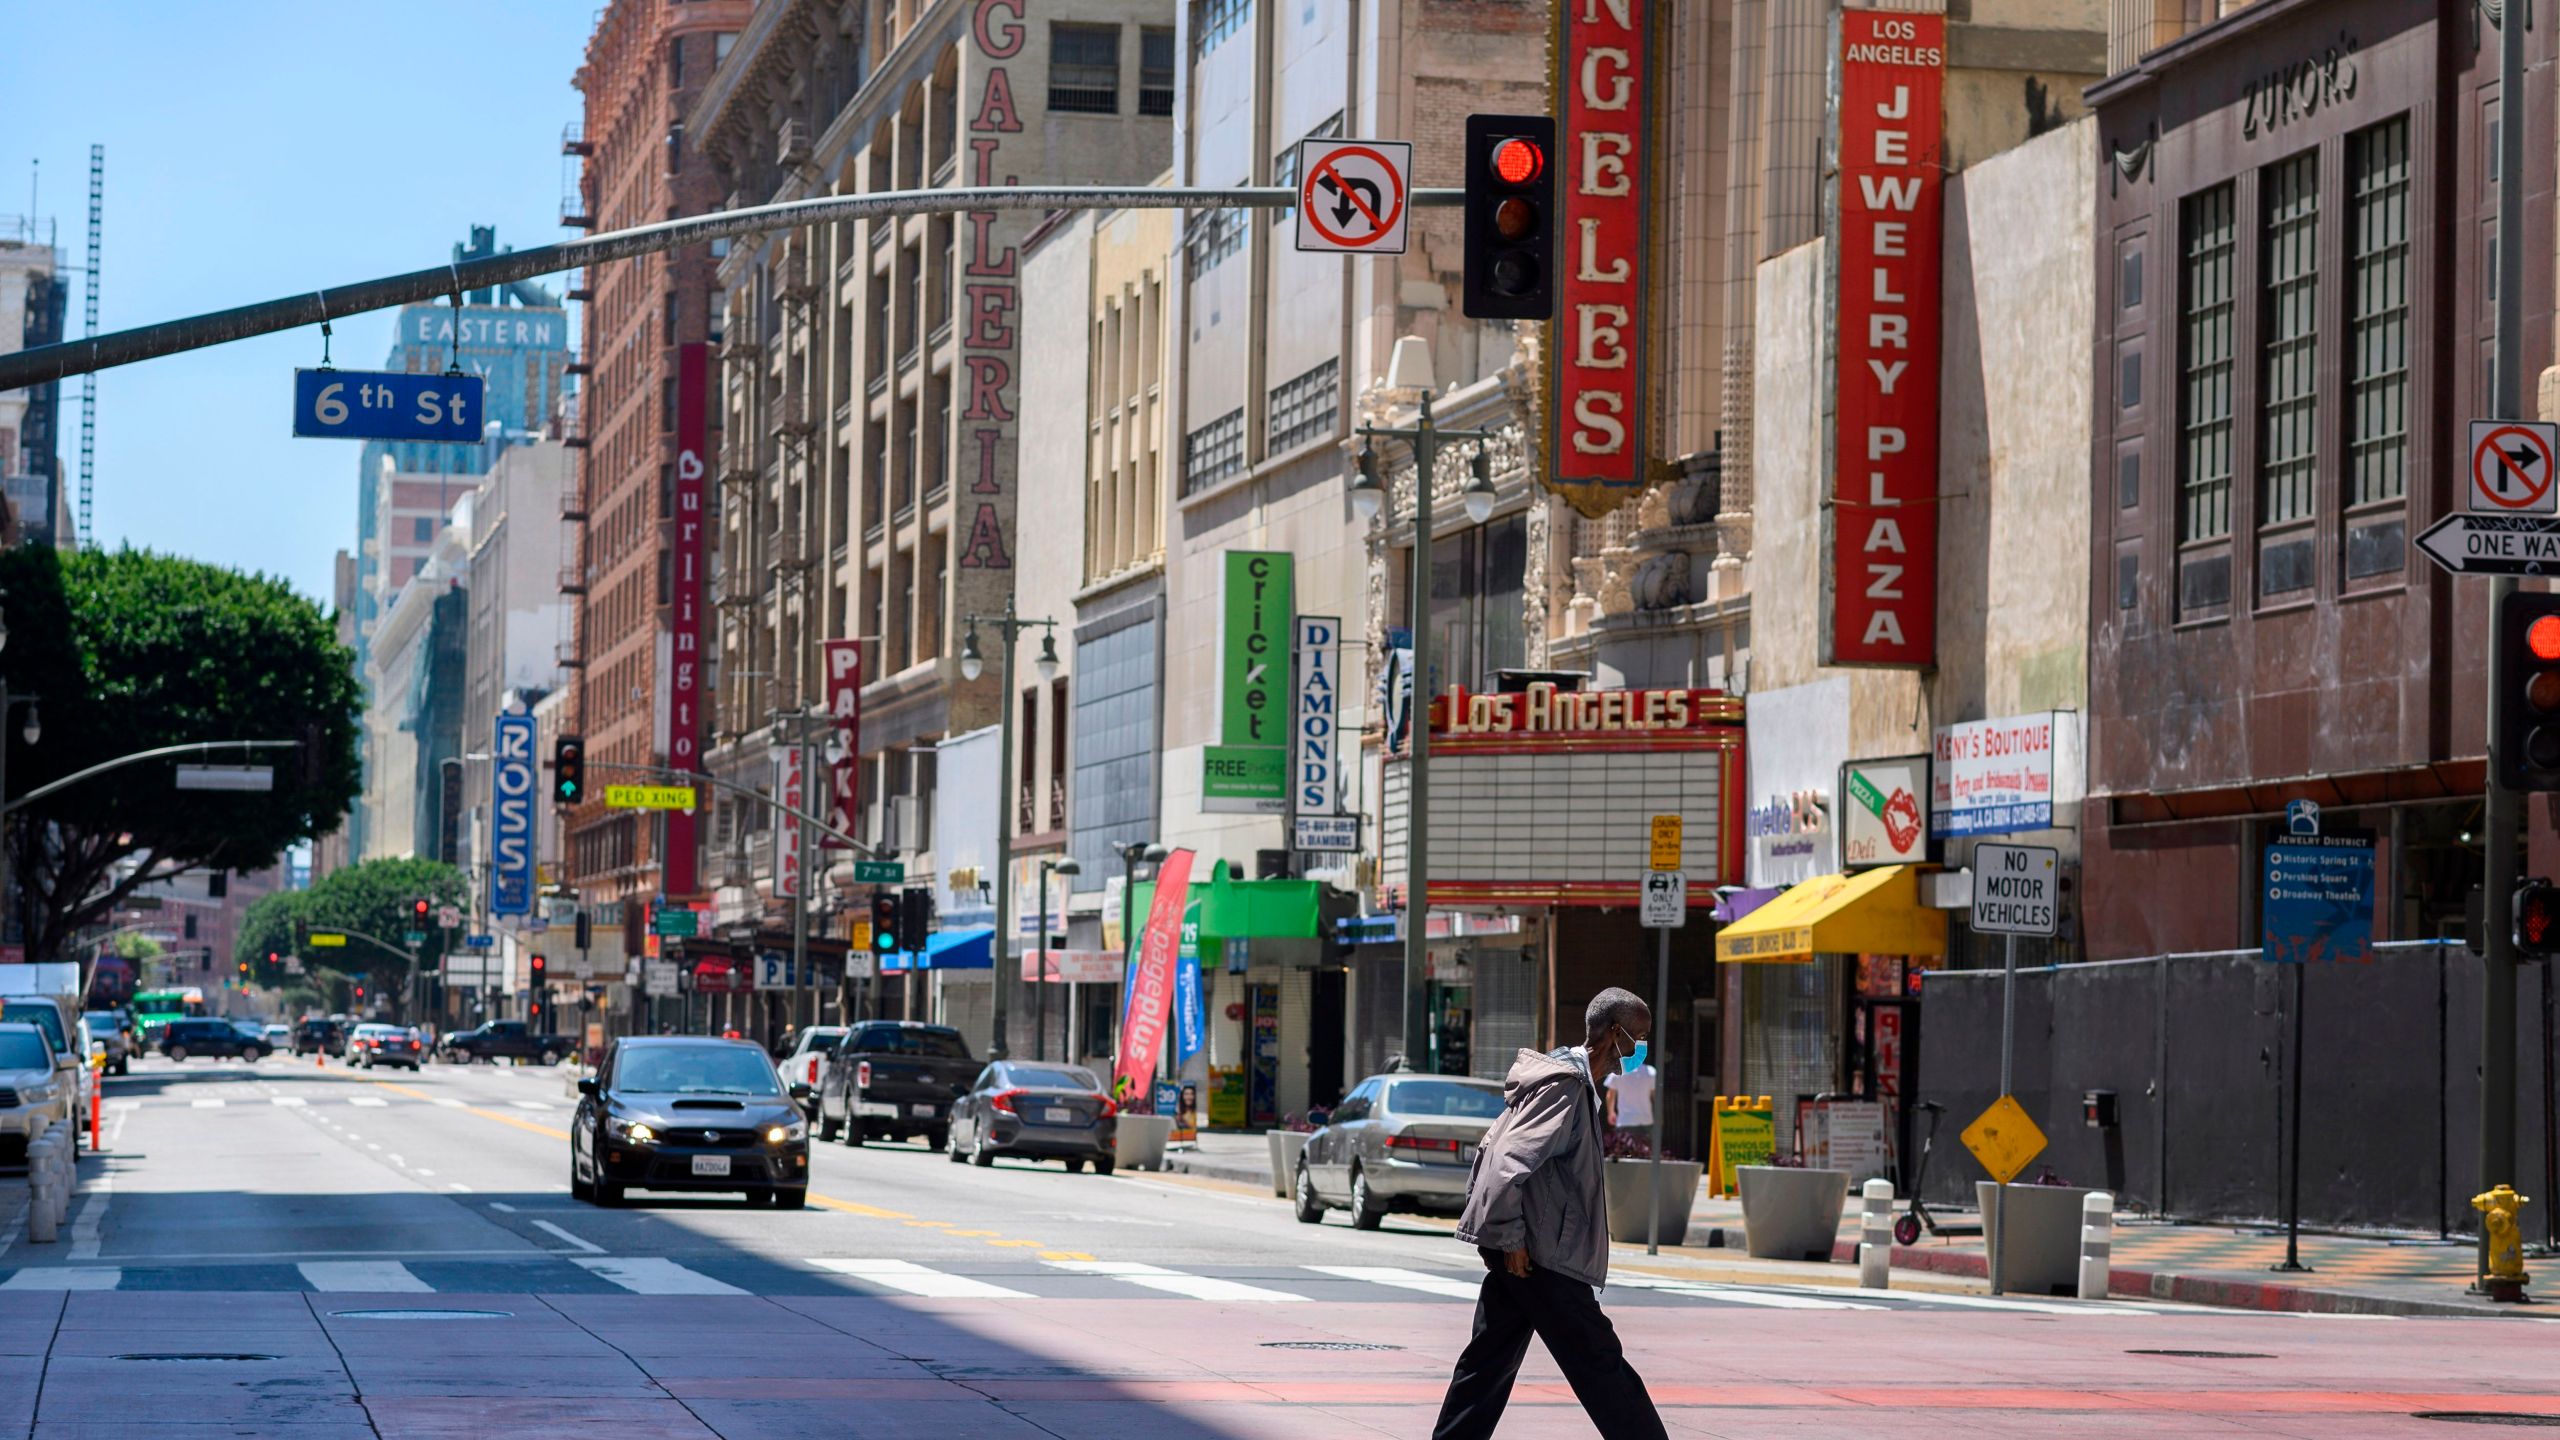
(1284, 166)
(1477, 581)
(422, 531)
(1084, 69)
(1214, 21)
(2288, 357)
(2207, 244)
(1213, 453)
(1212, 236)
(667, 330)
(2377, 349)
(1303, 409)
(1155, 71)
(2129, 478)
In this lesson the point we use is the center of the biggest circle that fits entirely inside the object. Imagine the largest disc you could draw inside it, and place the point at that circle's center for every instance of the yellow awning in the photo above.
(1873, 912)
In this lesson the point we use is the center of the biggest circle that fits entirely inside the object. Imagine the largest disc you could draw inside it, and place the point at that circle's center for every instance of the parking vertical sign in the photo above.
(511, 830)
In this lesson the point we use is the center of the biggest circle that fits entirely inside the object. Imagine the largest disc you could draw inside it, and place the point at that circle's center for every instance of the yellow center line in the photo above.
(417, 1094)
(1064, 1255)
(1021, 1244)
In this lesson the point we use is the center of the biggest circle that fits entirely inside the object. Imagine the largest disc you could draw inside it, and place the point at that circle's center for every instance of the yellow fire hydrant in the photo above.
(2499, 1209)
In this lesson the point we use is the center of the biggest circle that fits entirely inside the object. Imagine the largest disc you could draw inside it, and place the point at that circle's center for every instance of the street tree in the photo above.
(127, 650)
(374, 897)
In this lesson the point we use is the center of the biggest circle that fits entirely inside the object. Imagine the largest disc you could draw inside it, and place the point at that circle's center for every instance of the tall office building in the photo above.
(33, 297)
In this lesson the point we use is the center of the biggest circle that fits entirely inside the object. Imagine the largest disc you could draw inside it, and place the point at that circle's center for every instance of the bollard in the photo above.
(41, 1224)
(2097, 1243)
(1875, 1236)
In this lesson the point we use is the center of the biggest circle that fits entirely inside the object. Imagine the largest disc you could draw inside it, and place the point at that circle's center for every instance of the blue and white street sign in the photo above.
(387, 405)
(511, 833)
(479, 942)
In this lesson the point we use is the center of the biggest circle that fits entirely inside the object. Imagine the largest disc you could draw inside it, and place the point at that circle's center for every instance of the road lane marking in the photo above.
(388, 1276)
(1401, 1279)
(565, 1235)
(856, 1207)
(457, 1185)
(207, 1104)
(917, 1279)
(1174, 1282)
(93, 1213)
(451, 1103)
(375, 1101)
(424, 1171)
(1698, 1290)
(502, 1207)
(928, 1224)
(534, 1105)
(1021, 1244)
(288, 1101)
(1080, 1255)
(87, 1277)
(651, 1275)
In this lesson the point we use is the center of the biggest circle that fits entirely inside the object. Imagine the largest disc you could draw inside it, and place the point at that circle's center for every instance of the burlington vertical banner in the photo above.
(676, 868)
(1884, 514)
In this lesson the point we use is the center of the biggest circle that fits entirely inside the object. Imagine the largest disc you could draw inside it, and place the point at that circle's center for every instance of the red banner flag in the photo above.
(1151, 992)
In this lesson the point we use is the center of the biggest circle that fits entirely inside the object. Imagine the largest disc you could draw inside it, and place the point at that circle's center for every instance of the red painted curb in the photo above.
(2215, 1290)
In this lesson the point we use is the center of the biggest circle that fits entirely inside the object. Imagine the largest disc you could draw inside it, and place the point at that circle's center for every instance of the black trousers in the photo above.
(1566, 1315)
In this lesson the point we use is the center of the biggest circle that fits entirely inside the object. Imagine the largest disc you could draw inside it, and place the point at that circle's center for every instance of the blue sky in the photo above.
(256, 150)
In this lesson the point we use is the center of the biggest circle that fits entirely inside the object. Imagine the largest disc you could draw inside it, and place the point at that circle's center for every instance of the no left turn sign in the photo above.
(2512, 465)
(1351, 196)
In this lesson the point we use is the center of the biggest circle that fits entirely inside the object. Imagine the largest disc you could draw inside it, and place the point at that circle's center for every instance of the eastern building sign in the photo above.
(1548, 796)
(1883, 519)
(1597, 402)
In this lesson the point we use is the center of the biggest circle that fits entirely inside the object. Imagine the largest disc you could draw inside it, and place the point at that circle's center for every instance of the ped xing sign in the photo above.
(649, 797)
(511, 781)
(386, 405)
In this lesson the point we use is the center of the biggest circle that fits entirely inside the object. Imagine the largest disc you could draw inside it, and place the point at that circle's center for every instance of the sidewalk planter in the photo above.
(1285, 1148)
(2043, 1254)
(1141, 1140)
(1631, 1184)
(1791, 1214)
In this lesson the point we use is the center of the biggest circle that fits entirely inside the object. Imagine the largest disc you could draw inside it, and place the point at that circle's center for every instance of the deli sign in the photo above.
(1596, 358)
(1884, 520)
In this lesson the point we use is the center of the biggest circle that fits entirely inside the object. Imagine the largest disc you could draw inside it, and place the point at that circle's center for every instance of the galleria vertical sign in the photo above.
(989, 299)
(1597, 431)
(1884, 514)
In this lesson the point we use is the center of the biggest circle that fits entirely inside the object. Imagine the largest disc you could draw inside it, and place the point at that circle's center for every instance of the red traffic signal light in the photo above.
(420, 906)
(2526, 712)
(2537, 920)
(1508, 270)
(541, 967)
(1517, 161)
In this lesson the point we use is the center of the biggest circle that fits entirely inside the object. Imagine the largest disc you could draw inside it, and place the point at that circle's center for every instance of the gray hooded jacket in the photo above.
(1537, 1182)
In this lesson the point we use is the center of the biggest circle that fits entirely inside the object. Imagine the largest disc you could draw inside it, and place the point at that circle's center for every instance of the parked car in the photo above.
(890, 1079)
(1035, 1111)
(279, 1038)
(506, 1040)
(33, 1094)
(387, 1045)
(184, 1039)
(110, 1029)
(318, 1037)
(805, 1065)
(1397, 1142)
(60, 1024)
(687, 1112)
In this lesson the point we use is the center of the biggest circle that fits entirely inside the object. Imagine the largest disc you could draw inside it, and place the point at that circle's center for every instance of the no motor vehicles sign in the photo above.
(2014, 889)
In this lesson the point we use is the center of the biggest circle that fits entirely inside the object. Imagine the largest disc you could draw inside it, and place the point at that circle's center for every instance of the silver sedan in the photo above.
(1397, 1142)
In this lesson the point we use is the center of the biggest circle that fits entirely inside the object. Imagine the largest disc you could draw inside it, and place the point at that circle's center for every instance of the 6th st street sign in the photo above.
(386, 405)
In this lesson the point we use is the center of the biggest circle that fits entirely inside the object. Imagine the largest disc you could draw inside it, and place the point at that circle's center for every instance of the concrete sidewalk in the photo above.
(2199, 1264)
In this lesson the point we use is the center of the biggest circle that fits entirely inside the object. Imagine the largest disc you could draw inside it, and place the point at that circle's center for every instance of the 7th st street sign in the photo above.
(2469, 544)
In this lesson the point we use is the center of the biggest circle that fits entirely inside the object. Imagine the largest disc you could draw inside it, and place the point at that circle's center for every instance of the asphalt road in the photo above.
(272, 1210)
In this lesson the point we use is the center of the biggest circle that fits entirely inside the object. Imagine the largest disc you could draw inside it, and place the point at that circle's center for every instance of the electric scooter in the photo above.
(1906, 1226)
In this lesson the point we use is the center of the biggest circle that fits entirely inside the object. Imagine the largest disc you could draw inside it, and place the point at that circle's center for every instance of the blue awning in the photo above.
(972, 949)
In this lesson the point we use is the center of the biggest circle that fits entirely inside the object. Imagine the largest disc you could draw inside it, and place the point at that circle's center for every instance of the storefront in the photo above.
(951, 981)
(1274, 992)
(1482, 981)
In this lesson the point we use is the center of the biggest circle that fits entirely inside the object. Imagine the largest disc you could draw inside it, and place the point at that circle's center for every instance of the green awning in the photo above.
(1233, 909)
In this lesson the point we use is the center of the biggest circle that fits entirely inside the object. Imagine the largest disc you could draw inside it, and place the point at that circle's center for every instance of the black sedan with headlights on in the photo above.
(682, 1112)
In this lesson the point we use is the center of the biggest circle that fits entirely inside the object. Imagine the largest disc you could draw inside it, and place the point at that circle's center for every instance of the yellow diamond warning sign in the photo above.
(2004, 1139)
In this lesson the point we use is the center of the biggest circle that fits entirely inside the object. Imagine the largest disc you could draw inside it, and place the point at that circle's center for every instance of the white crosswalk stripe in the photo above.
(381, 1275)
(52, 1277)
(1734, 1295)
(917, 1279)
(1175, 1282)
(374, 1100)
(1400, 1279)
(653, 1276)
(288, 1100)
(206, 1104)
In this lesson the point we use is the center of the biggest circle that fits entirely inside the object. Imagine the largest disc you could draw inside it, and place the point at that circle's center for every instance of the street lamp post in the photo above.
(1008, 628)
(1040, 991)
(1410, 369)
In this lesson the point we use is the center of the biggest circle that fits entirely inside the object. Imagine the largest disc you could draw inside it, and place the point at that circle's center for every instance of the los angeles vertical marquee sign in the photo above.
(1600, 403)
(1883, 550)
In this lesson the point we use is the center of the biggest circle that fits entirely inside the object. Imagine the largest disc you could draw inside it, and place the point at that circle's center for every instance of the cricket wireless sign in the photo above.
(1884, 514)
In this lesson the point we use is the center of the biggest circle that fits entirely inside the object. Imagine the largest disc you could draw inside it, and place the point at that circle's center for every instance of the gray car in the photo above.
(1397, 1142)
(1037, 1111)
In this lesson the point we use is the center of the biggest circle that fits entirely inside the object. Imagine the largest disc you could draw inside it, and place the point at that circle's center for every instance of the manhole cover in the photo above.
(2206, 1354)
(2486, 1417)
(1323, 1345)
(422, 1314)
(195, 1359)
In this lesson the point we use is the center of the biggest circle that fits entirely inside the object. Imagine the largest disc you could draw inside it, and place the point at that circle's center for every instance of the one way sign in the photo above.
(2494, 544)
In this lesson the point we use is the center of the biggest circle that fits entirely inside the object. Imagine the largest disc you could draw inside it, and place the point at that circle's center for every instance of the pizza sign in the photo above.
(1886, 818)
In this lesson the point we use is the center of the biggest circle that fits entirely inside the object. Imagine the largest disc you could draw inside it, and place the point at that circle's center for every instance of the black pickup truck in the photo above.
(890, 1079)
(504, 1040)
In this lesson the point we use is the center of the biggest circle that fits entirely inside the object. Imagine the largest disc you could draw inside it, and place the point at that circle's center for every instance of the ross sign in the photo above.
(1351, 199)
(1880, 818)
(2004, 1139)
(2511, 467)
(1665, 905)
(649, 797)
(675, 922)
(680, 696)
(1328, 833)
(790, 795)
(843, 660)
(1882, 556)
(1663, 842)
(1151, 979)
(387, 405)
(2319, 897)
(326, 940)
(1998, 777)
(2017, 889)
(513, 785)
(2494, 544)
(879, 872)
(1247, 771)
(1598, 424)
(1315, 723)
(226, 777)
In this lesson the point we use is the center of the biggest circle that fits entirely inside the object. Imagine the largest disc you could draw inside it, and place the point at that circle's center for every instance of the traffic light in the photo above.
(586, 931)
(1511, 218)
(541, 969)
(915, 920)
(419, 909)
(2537, 917)
(884, 923)
(568, 770)
(2528, 692)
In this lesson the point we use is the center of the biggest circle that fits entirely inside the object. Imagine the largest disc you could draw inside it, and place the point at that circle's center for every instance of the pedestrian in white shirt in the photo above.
(1631, 1098)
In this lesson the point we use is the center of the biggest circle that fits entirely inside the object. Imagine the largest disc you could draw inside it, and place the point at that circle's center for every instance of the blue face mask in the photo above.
(1632, 1061)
